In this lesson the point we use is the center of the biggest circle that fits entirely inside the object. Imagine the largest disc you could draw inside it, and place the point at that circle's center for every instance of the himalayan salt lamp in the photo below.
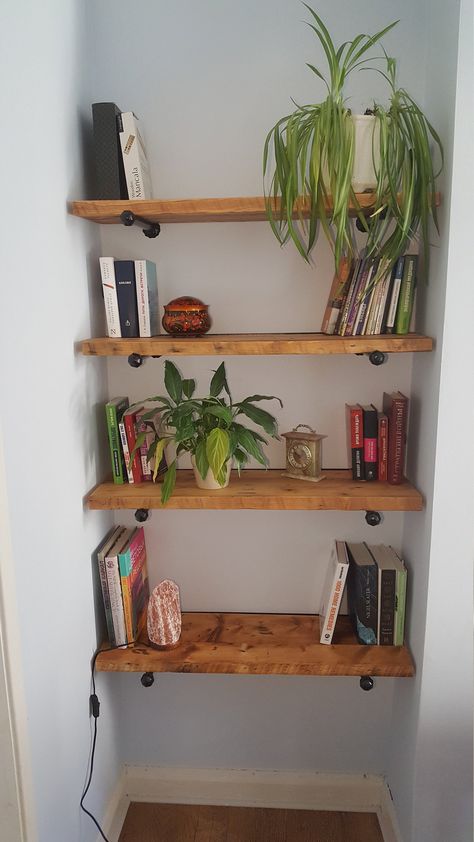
(164, 615)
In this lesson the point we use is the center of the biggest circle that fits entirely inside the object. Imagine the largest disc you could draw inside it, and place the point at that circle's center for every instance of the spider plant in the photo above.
(406, 190)
(207, 428)
(313, 150)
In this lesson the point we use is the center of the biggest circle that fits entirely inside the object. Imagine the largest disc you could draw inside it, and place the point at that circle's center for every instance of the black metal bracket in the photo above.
(366, 682)
(148, 679)
(150, 229)
(141, 515)
(375, 357)
(373, 518)
(136, 360)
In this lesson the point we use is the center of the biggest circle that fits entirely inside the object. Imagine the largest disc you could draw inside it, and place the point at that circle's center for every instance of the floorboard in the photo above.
(190, 823)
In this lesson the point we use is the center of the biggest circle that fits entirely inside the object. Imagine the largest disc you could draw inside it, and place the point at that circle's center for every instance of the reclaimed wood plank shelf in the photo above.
(261, 644)
(232, 344)
(259, 489)
(236, 209)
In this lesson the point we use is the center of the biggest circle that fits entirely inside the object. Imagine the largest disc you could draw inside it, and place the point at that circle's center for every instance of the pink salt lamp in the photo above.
(164, 615)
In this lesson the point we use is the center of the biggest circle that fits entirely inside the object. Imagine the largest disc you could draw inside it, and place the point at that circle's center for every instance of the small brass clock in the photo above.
(303, 454)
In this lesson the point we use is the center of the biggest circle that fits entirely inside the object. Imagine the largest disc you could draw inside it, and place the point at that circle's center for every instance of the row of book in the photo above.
(130, 292)
(373, 579)
(376, 441)
(124, 423)
(122, 565)
(121, 164)
(364, 300)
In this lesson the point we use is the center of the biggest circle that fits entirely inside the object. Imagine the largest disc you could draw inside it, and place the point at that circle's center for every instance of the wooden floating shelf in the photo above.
(260, 489)
(261, 644)
(237, 209)
(255, 343)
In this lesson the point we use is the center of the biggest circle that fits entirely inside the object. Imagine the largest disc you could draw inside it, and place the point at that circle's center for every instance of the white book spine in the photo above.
(115, 595)
(126, 450)
(144, 326)
(135, 162)
(109, 289)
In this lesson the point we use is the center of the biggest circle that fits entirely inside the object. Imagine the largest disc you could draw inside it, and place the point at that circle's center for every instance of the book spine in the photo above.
(370, 423)
(124, 568)
(106, 599)
(386, 626)
(116, 603)
(336, 296)
(397, 411)
(327, 630)
(397, 280)
(126, 451)
(361, 319)
(134, 158)
(142, 298)
(382, 449)
(131, 435)
(346, 304)
(407, 295)
(110, 176)
(355, 440)
(363, 281)
(114, 443)
(400, 606)
(364, 602)
(141, 427)
(109, 291)
(127, 297)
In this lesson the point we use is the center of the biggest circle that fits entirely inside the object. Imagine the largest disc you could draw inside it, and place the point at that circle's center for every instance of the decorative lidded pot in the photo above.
(186, 316)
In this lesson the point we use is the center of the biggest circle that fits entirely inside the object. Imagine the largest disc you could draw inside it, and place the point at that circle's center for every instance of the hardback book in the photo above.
(394, 295)
(386, 594)
(400, 600)
(370, 425)
(127, 297)
(363, 592)
(147, 298)
(109, 170)
(382, 447)
(337, 292)
(137, 172)
(134, 582)
(355, 439)
(109, 292)
(129, 421)
(114, 410)
(407, 295)
(333, 590)
(107, 543)
(115, 587)
(395, 407)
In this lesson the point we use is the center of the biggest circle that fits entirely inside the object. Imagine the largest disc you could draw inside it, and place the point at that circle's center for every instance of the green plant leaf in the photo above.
(168, 483)
(173, 381)
(260, 417)
(200, 456)
(159, 449)
(138, 443)
(249, 444)
(189, 387)
(217, 449)
(253, 398)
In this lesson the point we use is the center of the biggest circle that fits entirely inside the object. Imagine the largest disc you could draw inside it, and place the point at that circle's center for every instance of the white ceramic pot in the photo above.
(210, 481)
(366, 152)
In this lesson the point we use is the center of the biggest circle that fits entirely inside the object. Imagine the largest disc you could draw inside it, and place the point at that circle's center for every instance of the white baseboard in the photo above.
(252, 788)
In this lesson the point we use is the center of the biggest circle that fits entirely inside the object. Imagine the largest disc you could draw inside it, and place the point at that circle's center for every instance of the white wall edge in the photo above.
(252, 788)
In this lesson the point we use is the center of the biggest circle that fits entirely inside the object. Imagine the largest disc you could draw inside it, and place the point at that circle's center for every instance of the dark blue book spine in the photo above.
(127, 297)
(363, 590)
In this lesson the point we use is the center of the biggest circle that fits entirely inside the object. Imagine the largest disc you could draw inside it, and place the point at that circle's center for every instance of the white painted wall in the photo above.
(50, 412)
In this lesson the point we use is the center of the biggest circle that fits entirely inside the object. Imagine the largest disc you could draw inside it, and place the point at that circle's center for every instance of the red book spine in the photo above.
(396, 408)
(383, 447)
(130, 429)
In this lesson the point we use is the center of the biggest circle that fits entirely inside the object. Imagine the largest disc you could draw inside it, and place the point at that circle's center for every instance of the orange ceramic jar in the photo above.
(186, 316)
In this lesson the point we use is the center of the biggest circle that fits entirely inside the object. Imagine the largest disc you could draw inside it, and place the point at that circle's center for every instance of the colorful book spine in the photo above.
(125, 451)
(370, 425)
(355, 440)
(346, 303)
(147, 298)
(337, 294)
(395, 406)
(101, 554)
(127, 297)
(359, 328)
(109, 292)
(363, 281)
(130, 422)
(134, 583)
(382, 447)
(115, 589)
(395, 292)
(407, 295)
(141, 427)
(114, 410)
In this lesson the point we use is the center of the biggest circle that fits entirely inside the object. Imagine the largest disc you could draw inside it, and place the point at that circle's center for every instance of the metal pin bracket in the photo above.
(150, 229)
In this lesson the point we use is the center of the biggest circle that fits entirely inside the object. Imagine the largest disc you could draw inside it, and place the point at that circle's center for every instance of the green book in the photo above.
(407, 295)
(400, 604)
(114, 410)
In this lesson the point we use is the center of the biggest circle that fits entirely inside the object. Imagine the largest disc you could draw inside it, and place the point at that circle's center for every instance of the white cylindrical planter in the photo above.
(210, 481)
(366, 152)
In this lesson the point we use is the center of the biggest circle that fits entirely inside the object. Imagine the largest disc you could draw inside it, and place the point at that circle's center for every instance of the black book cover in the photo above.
(363, 592)
(110, 176)
(371, 425)
(127, 297)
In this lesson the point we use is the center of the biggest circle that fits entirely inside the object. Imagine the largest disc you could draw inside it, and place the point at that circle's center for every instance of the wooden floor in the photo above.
(187, 823)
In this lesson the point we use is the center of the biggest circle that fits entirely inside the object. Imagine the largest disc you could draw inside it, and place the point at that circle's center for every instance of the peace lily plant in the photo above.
(309, 156)
(206, 428)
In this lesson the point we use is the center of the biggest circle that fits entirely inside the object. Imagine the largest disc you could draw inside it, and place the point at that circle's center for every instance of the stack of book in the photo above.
(121, 164)
(376, 580)
(366, 300)
(376, 441)
(124, 424)
(121, 560)
(130, 290)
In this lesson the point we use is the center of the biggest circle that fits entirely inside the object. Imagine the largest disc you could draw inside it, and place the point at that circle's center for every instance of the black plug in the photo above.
(94, 706)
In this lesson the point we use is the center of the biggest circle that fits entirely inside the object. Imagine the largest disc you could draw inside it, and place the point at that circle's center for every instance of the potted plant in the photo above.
(206, 428)
(315, 149)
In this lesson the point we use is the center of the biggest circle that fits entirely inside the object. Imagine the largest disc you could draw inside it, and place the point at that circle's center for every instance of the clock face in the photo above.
(299, 455)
